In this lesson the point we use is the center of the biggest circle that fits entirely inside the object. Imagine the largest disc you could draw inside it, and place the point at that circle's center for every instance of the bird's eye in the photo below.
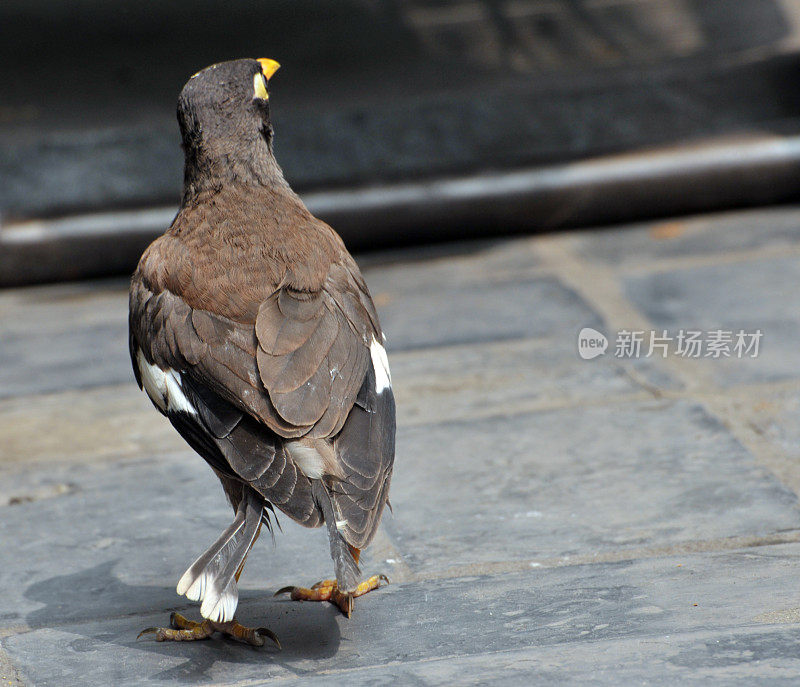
(260, 87)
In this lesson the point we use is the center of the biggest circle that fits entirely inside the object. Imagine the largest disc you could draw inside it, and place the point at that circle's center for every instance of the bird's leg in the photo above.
(184, 630)
(328, 590)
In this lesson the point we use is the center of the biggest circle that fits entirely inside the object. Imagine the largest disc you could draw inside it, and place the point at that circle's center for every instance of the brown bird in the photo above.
(253, 331)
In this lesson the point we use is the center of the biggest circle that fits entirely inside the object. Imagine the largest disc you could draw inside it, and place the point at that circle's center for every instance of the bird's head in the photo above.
(223, 113)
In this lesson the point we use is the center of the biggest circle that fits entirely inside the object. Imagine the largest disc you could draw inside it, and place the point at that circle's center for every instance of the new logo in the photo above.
(591, 343)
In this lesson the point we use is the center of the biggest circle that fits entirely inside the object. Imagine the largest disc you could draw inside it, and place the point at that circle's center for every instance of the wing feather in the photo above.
(283, 373)
(365, 454)
(300, 368)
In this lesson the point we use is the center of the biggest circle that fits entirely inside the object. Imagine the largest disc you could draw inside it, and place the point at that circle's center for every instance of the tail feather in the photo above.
(268, 516)
(212, 577)
(195, 579)
(348, 574)
(222, 595)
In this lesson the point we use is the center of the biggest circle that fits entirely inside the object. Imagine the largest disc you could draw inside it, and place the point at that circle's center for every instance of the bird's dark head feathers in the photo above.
(223, 113)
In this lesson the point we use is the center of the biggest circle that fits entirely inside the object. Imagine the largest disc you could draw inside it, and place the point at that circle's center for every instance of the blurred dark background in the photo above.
(399, 120)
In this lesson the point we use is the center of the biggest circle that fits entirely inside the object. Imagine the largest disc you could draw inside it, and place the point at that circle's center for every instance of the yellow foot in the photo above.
(185, 630)
(328, 590)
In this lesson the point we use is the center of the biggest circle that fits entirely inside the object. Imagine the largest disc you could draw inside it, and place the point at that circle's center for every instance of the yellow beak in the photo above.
(268, 67)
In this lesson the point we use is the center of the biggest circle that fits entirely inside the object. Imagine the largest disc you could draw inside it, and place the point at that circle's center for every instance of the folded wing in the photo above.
(304, 370)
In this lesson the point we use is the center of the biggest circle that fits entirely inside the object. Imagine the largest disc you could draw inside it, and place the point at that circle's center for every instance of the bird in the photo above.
(251, 328)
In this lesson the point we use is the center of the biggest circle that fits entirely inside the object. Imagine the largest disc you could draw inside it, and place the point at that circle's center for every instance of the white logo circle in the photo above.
(591, 343)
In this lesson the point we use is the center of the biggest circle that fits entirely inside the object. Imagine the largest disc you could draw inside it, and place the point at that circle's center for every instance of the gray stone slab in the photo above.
(120, 535)
(511, 336)
(65, 336)
(577, 481)
(493, 497)
(495, 294)
(479, 312)
(452, 265)
(745, 657)
(495, 378)
(636, 244)
(749, 295)
(694, 615)
(774, 415)
(80, 426)
(461, 382)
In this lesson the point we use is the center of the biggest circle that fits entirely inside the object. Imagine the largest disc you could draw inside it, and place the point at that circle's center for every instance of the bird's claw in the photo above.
(266, 632)
(328, 590)
(183, 630)
(148, 630)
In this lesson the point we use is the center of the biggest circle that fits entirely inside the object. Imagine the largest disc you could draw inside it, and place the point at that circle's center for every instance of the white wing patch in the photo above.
(380, 363)
(163, 387)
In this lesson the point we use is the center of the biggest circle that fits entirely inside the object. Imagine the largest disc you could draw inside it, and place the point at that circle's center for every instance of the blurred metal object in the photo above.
(490, 95)
(615, 189)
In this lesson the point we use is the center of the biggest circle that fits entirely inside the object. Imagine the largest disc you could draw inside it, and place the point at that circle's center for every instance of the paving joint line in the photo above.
(9, 673)
(600, 287)
(722, 544)
(646, 638)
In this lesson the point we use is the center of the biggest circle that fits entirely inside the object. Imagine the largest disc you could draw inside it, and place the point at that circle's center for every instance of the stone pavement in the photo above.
(607, 521)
